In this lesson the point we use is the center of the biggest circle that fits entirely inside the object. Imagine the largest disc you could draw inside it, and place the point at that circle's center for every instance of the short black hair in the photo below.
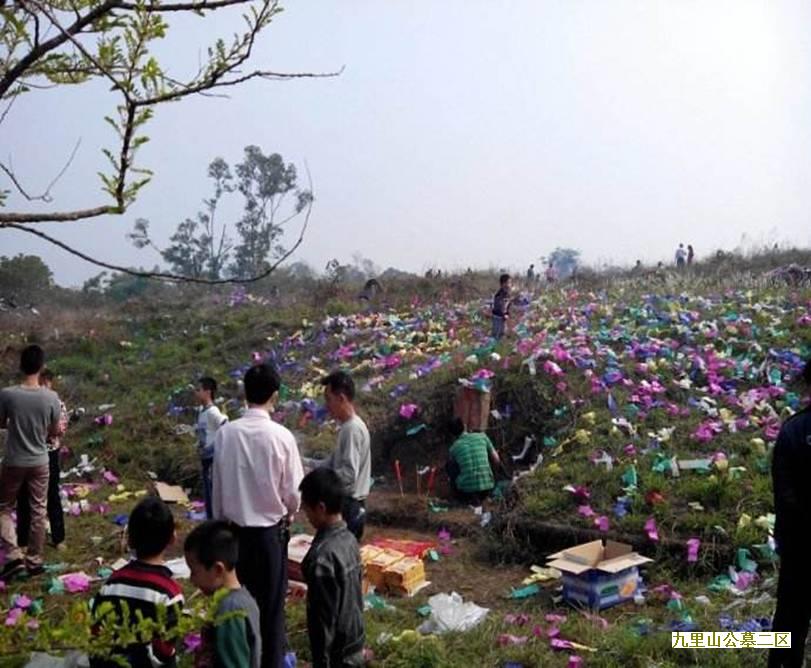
(32, 359)
(151, 527)
(323, 485)
(213, 541)
(503, 279)
(47, 375)
(340, 382)
(456, 427)
(208, 383)
(261, 383)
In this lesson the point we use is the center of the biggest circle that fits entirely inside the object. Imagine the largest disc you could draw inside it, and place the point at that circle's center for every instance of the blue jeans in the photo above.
(206, 476)
(498, 326)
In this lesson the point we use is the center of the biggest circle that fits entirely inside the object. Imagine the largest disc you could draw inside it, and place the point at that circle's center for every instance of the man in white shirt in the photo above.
(257, 472)
(209, 420)
(352, 458)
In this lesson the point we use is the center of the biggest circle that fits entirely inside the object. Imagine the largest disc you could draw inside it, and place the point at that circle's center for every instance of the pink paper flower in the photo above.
(22, 602)
(693, 545)
(76, 582)
(193, 642)
(13, 616)
(651, 530)
(506, 639)
(602, 523)
(408, 411)
(552, 369)
(585, 511)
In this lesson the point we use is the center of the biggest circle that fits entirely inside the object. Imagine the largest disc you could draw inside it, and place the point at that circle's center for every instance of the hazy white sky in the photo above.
(466, 132)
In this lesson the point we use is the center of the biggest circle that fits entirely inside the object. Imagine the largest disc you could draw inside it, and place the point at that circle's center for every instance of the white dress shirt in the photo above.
(257, 471)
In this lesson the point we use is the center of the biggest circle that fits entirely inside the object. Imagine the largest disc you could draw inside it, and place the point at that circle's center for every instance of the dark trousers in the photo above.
(793, 611)
(56, 517)
(472, 498)
(206, 465)
(262, 569)
(354, 512)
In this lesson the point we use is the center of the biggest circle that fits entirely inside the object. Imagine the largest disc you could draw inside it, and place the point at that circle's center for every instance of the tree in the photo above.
(195, 251)
(53, 43)
(565, 260)
(200, 248)
(265, 182)
(24, 275)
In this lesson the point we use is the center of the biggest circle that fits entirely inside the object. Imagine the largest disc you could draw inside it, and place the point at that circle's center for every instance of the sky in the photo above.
(470, 133)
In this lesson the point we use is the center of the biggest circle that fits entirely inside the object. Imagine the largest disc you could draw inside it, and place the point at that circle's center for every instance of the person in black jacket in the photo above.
(501, 306)
(791, 472)
(333, 572)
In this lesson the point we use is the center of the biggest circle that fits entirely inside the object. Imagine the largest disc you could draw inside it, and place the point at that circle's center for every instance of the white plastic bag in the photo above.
(450, 613)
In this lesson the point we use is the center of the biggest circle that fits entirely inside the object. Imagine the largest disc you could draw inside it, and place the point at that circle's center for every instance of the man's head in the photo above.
(504, 281)
(456, 427)
(322, 495)
(532, 266)
(262, 382)
(206, 390)
(151, 528)
(46, 378)
(339, 395)
(212, 550)
(32, 359)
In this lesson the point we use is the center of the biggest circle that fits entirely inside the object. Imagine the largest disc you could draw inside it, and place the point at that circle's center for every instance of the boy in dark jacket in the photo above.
(332, 570)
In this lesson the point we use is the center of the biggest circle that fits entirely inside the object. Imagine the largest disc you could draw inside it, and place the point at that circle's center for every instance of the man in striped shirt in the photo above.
(142, 586)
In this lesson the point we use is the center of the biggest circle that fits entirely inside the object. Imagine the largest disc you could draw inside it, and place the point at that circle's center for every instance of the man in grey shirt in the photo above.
(352, 458)
(30, 413)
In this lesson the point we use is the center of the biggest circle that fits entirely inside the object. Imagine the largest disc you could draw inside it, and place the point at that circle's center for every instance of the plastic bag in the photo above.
(450, 613)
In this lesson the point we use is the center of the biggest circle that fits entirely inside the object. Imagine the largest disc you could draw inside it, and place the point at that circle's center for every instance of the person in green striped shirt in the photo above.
(469, 464)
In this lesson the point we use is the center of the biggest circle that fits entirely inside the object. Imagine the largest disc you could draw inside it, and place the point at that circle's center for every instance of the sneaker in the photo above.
(11, 568)
(33, 571)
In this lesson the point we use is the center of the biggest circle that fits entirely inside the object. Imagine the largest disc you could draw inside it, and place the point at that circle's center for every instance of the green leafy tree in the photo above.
(51, 43)
(198, 248)
(565, 260)
(267, 185)
(24, 275)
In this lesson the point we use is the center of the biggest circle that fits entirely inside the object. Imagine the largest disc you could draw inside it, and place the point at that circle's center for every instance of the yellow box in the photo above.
(375, 568)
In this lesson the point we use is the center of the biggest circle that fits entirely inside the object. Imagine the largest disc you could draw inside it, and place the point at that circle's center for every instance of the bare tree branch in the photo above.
(45, 196)
(259, 74)
(186, 6)
(57, 216)
(166, 276)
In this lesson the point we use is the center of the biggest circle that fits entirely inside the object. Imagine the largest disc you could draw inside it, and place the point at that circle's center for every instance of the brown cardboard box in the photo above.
(598, 576)
(472, 407)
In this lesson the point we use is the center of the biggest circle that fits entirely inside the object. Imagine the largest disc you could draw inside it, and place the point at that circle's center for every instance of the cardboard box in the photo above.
(472, 407)
(369, 552)
(376, 567)
(599, 576)
(171, 493)
(405, 577)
